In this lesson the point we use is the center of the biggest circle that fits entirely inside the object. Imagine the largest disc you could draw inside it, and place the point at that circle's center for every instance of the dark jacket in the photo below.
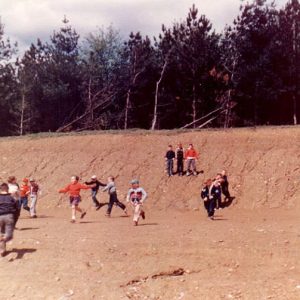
(170, 154)
(97, 184)
(205, 193)
(180, 154)
(8, 205)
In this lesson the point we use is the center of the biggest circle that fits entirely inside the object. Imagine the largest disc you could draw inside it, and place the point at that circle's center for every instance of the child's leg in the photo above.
(73, 212)
(33, 205)
(110, 204)
(137, 212)
(120, 204)
(25, 203)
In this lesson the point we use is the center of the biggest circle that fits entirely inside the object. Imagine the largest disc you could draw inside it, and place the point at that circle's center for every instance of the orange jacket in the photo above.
(191, 153)
(74, 189)
(24, 190)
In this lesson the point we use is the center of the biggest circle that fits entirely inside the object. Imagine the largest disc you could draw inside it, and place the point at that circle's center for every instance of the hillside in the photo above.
(263, 164)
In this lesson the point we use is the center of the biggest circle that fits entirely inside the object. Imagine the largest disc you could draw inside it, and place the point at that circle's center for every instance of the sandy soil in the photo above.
(249, 252)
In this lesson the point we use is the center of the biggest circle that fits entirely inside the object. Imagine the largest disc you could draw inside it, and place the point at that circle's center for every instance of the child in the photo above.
(13, 188)
(24, 192)
(180, 158)
(208, 203)
(170, 156)
(8, 214)
(215, 194)
(113, 198)
(96, 184)
(136, 196)
(191, 156)
(34, 188)
(74, 189)
(224, 186)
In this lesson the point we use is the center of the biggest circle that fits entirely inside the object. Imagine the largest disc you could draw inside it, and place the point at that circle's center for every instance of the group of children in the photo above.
(135, 196)
(12, 198)
(190, 155)
(212, 191)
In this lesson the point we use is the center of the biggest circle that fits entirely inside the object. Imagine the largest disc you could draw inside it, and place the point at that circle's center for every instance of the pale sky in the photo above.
(27, 20)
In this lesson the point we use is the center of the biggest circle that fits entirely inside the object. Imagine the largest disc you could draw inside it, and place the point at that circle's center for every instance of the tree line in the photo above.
(189, 76)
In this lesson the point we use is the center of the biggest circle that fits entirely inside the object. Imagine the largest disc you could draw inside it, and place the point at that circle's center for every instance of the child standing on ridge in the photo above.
(136, 196)
(191, 156)
(170, 156)
(96, 185)
(74, 189)
(113, 198)
(34, 188)
(24, 193)
(180, 159)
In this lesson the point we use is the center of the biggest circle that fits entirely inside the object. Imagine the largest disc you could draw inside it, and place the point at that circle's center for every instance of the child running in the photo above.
(8, 214)
(96, 185)
(113, 198)
(74, 189)
(136, 196)
(34, 188)
(24, 193)
(209, 204)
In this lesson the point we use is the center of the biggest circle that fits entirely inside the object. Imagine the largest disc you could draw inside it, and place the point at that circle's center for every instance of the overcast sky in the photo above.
(26, 20)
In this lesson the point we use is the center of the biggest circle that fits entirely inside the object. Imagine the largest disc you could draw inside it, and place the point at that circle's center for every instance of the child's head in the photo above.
(180, 145)
(219, 177)
(74, 179)
(170, 147)
(223, 173)
(94, 178)
(111, 178)
(31, 180)
(12, 179)
(207, 182)
(135, 183)
(191, 146)
(4, 188)
(25, 181)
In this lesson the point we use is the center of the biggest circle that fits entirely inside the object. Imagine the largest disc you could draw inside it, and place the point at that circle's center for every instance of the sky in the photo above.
(26, 20)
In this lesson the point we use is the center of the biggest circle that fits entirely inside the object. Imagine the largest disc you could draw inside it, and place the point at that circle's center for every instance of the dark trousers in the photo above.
(225, 192)
(94, 198)
(170, 167)
(210, 207)
(180, 166)
(113, 199)
(24, 202)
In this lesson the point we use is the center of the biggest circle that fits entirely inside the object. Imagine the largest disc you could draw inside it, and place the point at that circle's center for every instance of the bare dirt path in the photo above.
(240, 255)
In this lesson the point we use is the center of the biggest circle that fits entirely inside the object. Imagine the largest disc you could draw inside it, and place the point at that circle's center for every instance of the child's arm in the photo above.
(144, 195)
(85, 187)
(107, 187)
(65, 190)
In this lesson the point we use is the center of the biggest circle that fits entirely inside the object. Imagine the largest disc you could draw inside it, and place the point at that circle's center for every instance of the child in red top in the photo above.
(74, 189)
(191, 156)
(24, 192)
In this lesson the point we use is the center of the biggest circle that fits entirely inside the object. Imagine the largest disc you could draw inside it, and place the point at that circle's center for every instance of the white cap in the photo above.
(94, 177)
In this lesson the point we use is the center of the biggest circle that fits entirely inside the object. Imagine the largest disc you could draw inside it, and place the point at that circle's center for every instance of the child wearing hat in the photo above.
(95, 188)
(113, 198)
(136, 196)
(24, 192)
(34, 188)
(74, 189)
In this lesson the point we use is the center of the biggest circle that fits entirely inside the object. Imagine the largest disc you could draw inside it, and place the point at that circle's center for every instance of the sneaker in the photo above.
(212, 217)
(33, 217)
(82, 215)
(125, 212)
(135, 223)
(143, 215)
(107, 215)
(2, 254)
(195, 173)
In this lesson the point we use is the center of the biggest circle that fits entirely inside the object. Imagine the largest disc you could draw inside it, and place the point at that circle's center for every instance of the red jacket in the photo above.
(24, 190)
(191, 153)
(74, 189)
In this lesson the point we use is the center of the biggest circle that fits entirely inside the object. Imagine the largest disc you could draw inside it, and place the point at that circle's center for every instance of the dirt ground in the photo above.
(251, 250)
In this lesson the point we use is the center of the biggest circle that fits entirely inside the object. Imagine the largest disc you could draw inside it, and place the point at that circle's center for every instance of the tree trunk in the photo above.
(194, 104)
(90, 102)
(154, 121)
(22, 113)
(295, 110)
(127, 108)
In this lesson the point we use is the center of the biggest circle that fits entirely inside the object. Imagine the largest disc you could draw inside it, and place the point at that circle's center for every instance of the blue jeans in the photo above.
(170, 167)
(7, 225)
(24, 202)
(94, 198)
